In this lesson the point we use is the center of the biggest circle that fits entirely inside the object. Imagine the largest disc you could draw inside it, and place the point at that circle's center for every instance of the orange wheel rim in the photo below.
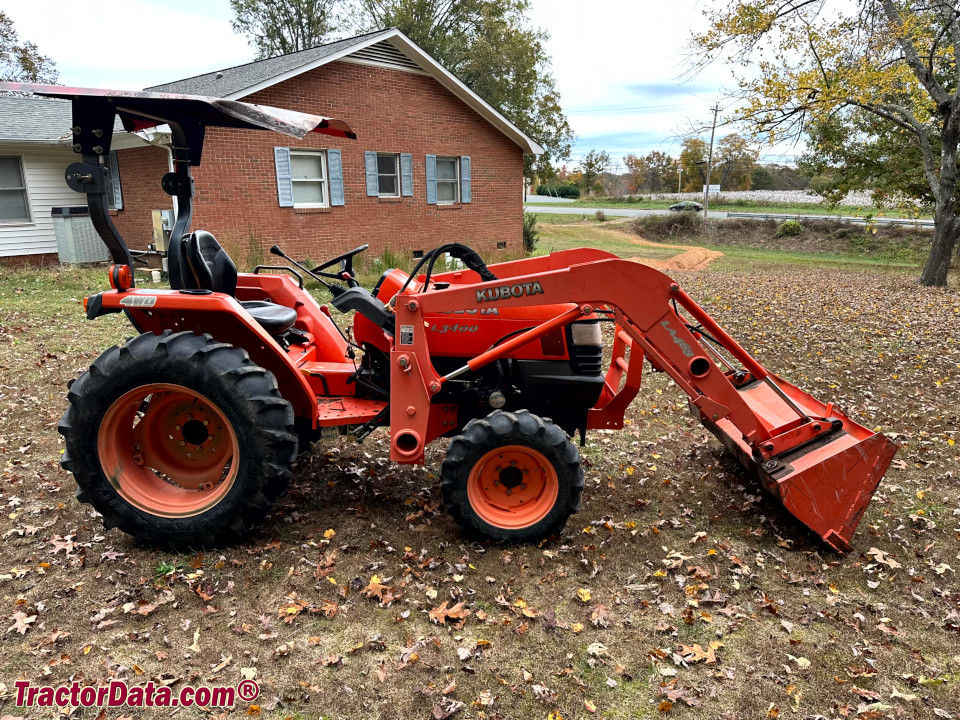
(168, 450)
(512, 487)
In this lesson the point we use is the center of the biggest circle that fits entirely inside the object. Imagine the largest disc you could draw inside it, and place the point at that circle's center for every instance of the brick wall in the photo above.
(391, 111)
(140, 172)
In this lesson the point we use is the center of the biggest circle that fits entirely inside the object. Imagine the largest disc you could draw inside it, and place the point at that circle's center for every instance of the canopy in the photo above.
(140, 110)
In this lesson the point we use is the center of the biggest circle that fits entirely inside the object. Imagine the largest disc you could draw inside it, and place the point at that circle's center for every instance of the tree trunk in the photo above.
(945, 235)
(946, 224)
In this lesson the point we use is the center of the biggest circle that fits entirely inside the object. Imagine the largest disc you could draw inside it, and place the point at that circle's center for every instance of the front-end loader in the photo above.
(186, 434)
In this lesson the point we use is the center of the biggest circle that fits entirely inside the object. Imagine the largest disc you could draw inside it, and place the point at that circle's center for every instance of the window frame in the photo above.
(456, 179)
(324, 181)
(395, 175)
(28, 220)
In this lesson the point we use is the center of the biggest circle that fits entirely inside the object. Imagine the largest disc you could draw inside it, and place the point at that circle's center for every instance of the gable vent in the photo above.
(383, 54)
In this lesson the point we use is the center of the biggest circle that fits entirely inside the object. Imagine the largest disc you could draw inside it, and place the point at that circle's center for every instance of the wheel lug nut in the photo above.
(206, 422)
(176, 427)
(509, 491)
(182, 443)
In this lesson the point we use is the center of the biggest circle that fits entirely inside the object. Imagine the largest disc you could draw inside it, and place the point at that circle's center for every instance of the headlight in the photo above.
(586, 333)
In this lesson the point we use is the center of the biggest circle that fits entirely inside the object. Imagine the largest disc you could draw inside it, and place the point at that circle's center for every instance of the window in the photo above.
(309, 176)
(13, 190)
(448, 180)
(388, 175)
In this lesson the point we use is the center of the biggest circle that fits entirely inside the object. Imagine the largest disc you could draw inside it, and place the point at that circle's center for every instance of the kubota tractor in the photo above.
(185, 435)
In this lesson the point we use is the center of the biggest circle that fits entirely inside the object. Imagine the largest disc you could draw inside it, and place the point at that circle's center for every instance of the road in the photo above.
(559, 209)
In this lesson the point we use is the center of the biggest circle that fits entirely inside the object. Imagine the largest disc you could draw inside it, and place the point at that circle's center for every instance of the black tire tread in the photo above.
(264, 425)
(499, 428)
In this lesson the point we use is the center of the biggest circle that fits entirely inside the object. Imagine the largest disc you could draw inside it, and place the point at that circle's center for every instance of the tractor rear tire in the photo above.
(179, 440)
(511, 476)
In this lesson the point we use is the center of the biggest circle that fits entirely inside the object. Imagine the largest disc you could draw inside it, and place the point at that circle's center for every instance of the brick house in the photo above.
(433, 162)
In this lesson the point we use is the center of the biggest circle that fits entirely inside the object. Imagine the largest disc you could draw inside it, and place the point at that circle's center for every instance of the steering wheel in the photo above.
(346, 267)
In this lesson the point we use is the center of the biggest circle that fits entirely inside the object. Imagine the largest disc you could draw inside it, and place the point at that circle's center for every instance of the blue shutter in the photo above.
(465, 190)
(115, 180)
(406, 174)
(281, 158)
(335, 170)
(431, 179)
(373, 182)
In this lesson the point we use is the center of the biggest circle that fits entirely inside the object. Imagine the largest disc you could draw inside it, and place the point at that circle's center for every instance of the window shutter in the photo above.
(281, 158)
(373, 182)
(406, 174)
(335, 170)
(115, 179)
(431, 179)
(465, 179)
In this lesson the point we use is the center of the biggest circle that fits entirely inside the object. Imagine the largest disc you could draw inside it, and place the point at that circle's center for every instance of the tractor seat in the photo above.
(205, 265)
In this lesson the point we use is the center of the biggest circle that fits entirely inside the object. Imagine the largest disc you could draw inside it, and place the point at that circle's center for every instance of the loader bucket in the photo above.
(826, 484)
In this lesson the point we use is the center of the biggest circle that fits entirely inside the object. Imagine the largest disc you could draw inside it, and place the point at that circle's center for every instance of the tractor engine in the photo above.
(559, 376)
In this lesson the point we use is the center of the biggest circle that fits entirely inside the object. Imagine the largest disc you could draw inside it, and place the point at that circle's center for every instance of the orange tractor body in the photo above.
(185, 435)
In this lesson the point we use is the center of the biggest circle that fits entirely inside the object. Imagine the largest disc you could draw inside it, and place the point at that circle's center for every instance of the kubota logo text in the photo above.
(504, 292)
(681, 343)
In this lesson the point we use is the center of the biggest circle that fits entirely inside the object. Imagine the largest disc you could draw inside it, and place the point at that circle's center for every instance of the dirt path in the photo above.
(690, 257)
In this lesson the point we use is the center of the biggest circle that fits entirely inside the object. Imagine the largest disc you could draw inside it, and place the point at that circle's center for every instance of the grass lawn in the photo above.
(680, 590)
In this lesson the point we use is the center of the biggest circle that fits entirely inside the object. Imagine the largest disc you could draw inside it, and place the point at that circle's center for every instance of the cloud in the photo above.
(667, 91)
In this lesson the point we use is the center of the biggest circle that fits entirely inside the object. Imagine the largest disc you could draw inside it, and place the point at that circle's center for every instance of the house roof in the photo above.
(385, 48)
(37, 120)
(34, 120)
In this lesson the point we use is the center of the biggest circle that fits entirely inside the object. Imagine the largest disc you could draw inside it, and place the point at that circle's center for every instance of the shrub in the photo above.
(600, 216)
(530, 233)
(789, 228)
(662, 227)
(564, 191)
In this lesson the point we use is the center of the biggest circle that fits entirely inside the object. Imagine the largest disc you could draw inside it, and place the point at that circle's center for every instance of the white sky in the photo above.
(617, 62)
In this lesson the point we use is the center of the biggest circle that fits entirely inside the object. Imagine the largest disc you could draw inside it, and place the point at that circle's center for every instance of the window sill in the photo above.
(18, 221)
(390, 199)
(310, 210)
(113, 213)
(449, 206)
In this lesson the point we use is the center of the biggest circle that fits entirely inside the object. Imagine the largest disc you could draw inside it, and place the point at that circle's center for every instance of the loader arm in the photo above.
(821, 465)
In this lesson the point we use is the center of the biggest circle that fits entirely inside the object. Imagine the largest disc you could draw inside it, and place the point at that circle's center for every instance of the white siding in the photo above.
(43, 167)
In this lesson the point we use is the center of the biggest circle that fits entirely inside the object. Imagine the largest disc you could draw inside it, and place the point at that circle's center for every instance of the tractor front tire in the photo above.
(178, 440)
(511, 476)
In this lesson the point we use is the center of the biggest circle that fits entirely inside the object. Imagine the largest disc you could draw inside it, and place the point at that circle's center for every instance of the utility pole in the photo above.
(706, 190)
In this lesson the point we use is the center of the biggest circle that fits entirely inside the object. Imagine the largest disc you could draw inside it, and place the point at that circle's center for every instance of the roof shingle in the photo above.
(34, 119)
(223, 83)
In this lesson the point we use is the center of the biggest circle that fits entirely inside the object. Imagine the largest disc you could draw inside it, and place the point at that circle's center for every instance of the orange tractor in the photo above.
(186, 434)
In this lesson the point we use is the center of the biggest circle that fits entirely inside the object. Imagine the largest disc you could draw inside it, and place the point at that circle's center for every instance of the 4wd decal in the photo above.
(139, 300)
(505, 292)
(681, 343)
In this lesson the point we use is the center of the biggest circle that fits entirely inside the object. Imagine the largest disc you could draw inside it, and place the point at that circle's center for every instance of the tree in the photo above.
(866, 152)
(761, 179)
(279, 27)
(692, 159)
(734, 159)
(828, 64)
(490, 46)
(22, 62)
(639, 171)
(592, 166)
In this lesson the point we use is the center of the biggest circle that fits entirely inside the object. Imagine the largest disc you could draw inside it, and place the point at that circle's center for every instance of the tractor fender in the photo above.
(222, 317)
